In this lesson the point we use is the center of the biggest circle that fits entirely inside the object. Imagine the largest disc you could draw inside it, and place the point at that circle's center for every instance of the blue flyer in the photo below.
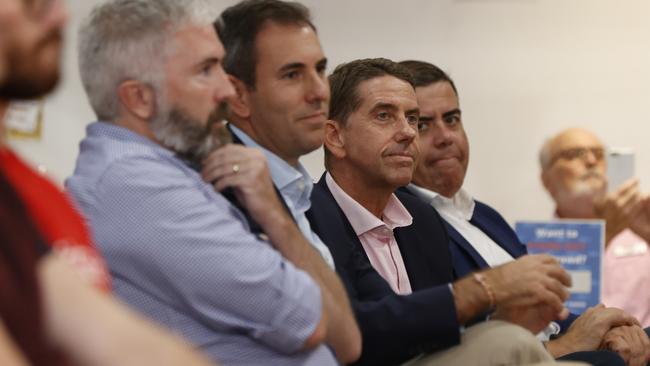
(578, 245)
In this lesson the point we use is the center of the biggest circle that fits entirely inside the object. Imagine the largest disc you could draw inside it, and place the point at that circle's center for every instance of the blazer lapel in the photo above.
(464, 245)
(499, 231)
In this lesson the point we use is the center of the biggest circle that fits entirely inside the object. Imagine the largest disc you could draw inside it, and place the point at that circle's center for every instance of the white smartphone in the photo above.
(620, 167)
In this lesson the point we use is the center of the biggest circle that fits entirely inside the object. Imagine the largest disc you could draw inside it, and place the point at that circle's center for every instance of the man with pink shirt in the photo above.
(409, 304)
(573, 173)
(376, 235)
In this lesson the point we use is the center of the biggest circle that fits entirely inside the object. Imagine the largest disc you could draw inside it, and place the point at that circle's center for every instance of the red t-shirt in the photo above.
(60, 223)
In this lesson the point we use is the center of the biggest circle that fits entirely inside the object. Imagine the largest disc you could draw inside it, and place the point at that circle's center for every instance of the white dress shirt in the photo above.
(457, 211)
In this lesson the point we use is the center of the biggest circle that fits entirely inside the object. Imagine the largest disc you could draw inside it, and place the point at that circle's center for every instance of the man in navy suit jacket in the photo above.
(479, 236)
(391, 249)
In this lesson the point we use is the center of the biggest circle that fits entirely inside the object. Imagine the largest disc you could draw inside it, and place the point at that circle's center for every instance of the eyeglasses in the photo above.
(578, 153)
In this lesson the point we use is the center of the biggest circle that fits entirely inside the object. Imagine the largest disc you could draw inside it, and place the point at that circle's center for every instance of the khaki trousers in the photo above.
(492, 343)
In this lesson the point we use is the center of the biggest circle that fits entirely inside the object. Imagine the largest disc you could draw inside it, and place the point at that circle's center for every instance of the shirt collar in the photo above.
(115, 132)
(362, 220)
(460, 205)
(294, 182)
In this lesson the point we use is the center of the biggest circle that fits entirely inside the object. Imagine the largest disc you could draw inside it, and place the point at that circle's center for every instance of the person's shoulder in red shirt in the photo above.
(57, 219)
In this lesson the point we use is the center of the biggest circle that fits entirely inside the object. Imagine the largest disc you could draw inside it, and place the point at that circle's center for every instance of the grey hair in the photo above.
(130, 40)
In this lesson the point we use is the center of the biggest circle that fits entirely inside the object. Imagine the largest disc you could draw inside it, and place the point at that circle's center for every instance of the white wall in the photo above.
(524, 69)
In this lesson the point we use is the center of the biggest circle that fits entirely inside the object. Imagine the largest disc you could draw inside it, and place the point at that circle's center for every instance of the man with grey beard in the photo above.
(573, 173)
(179, 251)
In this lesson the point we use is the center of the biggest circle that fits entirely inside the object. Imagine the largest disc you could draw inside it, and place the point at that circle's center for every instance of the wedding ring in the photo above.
(235, 168)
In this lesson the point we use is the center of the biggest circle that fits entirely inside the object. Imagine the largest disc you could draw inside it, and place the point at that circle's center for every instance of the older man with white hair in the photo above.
(573, 173)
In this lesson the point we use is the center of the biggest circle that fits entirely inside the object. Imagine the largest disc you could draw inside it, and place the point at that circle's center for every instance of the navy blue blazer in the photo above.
(395, 328)
(467, 260)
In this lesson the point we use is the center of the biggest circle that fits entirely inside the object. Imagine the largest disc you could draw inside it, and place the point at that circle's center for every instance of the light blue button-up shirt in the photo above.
(295, 185)
(183, 255)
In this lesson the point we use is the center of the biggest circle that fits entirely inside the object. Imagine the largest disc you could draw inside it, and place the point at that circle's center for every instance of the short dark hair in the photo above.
(425, 74)
(239, 25)
(345, 80)
(344, 85)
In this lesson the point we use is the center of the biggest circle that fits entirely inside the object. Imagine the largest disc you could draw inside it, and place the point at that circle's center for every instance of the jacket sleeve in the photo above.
(396, 328)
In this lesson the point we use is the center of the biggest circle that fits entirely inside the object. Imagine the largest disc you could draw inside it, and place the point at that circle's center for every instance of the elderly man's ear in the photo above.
(546, 181)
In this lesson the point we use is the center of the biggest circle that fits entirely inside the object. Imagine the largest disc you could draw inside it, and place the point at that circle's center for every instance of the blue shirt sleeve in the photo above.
(172, 236)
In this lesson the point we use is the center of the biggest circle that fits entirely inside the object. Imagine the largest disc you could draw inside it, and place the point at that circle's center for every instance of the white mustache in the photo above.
(592, 174)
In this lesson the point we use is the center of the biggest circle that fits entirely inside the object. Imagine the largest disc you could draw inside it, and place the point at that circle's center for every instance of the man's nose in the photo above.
(224, 89)
(441, 134)
(406, 130)
(318, 89)
(590, 158)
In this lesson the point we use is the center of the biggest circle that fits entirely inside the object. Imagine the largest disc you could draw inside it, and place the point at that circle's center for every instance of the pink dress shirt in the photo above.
(377, 236)
(626, 279)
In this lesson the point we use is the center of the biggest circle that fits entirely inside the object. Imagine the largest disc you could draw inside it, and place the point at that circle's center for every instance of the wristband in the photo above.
(481, 280)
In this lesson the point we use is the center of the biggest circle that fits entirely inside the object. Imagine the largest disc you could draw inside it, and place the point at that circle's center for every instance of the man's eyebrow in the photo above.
(451, 113)
(292, 66)
(383, 105)
(208, 61)
(413, 111)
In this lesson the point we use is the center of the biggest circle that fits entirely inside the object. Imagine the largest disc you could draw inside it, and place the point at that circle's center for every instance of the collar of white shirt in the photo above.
(461, 205)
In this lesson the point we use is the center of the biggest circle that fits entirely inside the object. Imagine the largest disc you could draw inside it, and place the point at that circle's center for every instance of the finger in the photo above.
(564, 314)
(617, 207)
(637, 354)
(629, 320)
(633, 210)
(627, 204)
(646, 201)
(233, 160)
(221, 152)
(550, 299)
(557, 288)
(618, 318)
(545, 258)
(631, 184)
(246, 179)
(630, 202)
(640, 341)
(230, 152)
(559, 273)
(645, 340)
(215, 162)
(221, 171)
(226, 155)
(618, 345)
(236, 181)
